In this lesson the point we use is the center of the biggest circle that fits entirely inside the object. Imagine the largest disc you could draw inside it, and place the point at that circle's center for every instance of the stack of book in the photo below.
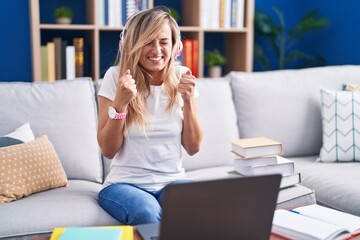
(62, 61)
(260, 156)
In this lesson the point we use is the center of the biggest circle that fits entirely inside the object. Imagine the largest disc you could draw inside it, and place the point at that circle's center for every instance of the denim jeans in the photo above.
(132, 205)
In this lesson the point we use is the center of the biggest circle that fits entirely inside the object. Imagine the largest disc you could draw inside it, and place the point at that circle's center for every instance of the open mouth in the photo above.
(155, 58)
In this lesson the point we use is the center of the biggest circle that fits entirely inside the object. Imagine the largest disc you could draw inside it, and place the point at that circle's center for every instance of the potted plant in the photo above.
(214, 60)
(63, 15)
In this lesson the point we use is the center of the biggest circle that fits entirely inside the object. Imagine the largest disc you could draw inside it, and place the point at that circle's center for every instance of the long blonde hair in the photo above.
(141, 28)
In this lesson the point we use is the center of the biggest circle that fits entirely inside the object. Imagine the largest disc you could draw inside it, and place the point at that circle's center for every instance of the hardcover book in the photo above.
(256, 147)
(286, 180)
(283, 166)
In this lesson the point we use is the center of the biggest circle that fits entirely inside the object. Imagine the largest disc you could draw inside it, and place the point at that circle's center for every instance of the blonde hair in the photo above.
(141, 28)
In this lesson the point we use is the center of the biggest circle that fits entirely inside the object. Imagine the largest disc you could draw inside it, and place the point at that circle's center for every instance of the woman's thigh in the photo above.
(129, 204)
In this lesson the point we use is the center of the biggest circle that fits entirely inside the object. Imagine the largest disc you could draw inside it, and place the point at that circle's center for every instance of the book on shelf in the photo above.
(190, 55)
(51, 61)
(222, 13)
(286, 180)
(79, 56)
(315, 222)
(70, 62)
(44, 63)
(256, 147)
(282, 166)
(58, 57)
(89, 233)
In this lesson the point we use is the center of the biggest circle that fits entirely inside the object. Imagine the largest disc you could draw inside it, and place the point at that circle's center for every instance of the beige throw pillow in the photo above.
(29, 168)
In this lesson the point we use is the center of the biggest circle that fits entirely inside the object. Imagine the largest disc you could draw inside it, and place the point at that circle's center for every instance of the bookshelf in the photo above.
(238, 43)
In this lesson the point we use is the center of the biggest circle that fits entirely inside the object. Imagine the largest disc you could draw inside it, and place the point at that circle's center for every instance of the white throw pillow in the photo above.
(340, 112)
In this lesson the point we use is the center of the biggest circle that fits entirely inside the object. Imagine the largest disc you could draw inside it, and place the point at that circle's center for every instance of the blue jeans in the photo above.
(132, 205)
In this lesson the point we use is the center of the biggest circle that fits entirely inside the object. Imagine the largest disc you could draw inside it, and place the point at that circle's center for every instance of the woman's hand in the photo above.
(186, 86)
(125, 90)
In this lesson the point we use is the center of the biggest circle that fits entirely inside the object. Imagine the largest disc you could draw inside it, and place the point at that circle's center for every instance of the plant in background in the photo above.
(63, 15)
(175, 14)
(214, 58)
(282, 43)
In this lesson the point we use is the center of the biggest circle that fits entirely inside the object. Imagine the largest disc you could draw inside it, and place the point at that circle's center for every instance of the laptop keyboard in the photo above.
(154, 238)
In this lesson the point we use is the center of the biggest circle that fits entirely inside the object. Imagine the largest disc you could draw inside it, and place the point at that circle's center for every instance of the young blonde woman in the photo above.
(147, 113)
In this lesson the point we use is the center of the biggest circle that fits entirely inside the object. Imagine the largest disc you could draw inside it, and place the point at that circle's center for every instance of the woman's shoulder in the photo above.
(112, 71)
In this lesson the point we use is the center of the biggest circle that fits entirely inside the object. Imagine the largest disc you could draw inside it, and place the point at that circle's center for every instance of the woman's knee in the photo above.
(146, 213)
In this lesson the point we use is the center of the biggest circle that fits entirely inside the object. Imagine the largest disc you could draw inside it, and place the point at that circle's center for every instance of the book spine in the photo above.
(79, 56)
(195, 58)
(240, 13)
(187, 53)
(63, 59)
(58, 57)
(70, 62)
(44, 63)
(51, 61)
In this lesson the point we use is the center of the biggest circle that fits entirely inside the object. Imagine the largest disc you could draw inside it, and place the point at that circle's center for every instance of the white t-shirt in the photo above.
(154, 160)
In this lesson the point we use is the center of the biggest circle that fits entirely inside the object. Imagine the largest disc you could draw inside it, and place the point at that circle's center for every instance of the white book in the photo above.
(227, 9)
(258, 161)
(70, 62)
(204, 13)
(100, 12)
(283, 166)
(240, 13)
(286, 180)
(314, 222)
(118, 13)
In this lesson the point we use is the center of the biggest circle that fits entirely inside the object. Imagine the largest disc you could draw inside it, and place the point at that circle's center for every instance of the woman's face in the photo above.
(156, 53)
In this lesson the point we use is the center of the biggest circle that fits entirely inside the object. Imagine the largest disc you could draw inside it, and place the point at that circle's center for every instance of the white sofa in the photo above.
(283, 105)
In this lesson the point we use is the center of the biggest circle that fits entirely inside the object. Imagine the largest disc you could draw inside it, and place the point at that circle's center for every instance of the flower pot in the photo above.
(215, 71)
(63, 20)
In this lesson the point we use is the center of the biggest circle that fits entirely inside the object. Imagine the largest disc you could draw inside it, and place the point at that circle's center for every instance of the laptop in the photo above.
(233, 208)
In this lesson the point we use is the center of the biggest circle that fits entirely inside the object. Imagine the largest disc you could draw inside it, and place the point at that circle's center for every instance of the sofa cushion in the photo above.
(218, 119)
(65, 111)
(29, 168)
(336, 184)
(285, 104)
(340, 121)
(19, 135)
(75, 205)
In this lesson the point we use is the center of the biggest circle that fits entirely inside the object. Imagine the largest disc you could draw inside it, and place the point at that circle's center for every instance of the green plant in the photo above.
(214, 58)
(281, 44)
(175, 14)
(63, 12)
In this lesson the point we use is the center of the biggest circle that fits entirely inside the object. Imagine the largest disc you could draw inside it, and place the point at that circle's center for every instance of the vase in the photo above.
(215, 71)
(63, 20)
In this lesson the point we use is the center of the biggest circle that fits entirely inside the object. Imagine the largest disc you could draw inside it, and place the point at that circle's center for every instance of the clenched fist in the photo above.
(125, 90)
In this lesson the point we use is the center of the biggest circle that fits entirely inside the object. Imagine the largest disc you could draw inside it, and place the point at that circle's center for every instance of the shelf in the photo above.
(237, 45)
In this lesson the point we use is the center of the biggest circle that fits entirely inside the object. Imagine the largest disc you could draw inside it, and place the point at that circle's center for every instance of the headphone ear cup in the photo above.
(180, 48)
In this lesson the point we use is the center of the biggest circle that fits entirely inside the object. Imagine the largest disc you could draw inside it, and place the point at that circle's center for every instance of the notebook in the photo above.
(234, 208)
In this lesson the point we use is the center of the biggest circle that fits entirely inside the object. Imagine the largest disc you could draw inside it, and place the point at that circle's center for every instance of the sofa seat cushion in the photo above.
(336, 184)
(285, 104)
(66, 112)
(210, 173)
(75, 205)
(218, 119)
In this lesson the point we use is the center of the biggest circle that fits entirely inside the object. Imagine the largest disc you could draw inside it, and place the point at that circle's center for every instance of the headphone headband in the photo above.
(158, 8)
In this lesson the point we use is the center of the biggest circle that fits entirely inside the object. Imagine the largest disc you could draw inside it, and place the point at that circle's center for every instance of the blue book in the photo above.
(91, 233)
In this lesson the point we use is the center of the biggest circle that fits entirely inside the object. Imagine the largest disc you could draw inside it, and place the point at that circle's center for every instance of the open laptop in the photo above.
(234, 208)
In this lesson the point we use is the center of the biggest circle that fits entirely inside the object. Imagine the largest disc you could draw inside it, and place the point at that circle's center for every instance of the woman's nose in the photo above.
(156, 47)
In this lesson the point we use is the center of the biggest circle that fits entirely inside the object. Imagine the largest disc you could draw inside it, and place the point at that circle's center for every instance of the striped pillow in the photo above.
(340, 112)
